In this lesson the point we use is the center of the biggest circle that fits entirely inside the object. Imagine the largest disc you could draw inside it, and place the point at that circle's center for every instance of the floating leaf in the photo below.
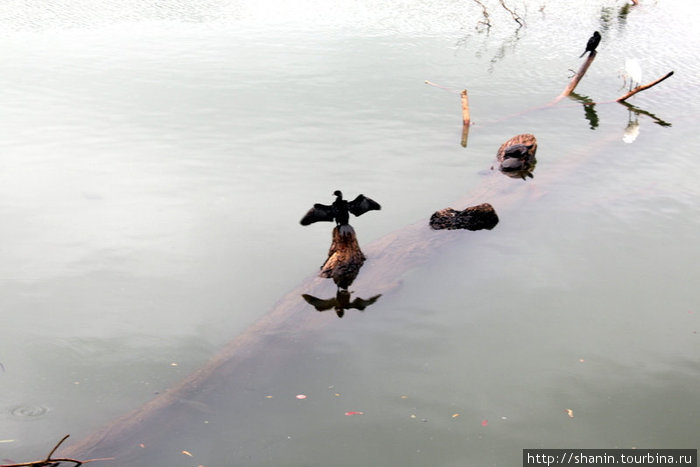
(187, 453)
(141, 445)
(301, 396)
(354, 413)
(455, 415)
(570, 413)
(484, 422)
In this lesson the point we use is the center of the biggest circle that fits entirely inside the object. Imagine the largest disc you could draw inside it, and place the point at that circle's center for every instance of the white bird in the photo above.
(633, 72)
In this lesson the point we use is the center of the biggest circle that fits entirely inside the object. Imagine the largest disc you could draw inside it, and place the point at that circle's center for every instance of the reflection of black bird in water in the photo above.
(592, 43)
(340, 302)
(340, 210)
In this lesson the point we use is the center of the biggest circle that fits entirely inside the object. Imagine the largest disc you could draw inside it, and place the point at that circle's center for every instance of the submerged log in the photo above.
(344, 257)
(478, 217)
(142, 435)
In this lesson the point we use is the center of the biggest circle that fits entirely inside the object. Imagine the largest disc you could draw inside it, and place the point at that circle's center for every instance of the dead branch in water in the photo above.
(49, 461)
(643, 87)
(487, 19)
(577, 77)
(515, 16)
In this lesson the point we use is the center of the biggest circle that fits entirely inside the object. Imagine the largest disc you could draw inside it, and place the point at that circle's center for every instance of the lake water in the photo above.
(156, 158)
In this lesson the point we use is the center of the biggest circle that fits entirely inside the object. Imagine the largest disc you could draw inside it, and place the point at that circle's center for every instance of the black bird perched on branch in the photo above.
(592, 43)
(340, 210)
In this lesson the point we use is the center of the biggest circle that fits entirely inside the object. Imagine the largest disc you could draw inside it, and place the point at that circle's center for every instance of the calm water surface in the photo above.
(155, 161)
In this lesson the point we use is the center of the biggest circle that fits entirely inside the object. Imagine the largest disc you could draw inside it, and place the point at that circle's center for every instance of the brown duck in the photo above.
(516, 157)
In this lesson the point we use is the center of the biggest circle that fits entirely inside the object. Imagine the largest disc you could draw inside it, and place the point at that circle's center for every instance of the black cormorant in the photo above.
(340, 210)
(592, 43)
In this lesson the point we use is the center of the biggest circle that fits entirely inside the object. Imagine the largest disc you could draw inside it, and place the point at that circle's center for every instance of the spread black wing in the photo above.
(362, 204)
(320, 304)
(318, 213)
(361, 304)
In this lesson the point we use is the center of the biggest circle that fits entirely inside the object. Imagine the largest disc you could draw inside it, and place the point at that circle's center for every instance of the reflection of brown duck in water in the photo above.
(516, 157)
(340, 302)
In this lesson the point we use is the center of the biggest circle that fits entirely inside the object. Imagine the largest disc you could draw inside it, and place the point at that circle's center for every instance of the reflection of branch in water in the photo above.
(588, 109)
(486, 22)
(515, 16)
(50, 461)
(340, 302)
(639, 111)
(484, 25)
(509, 43)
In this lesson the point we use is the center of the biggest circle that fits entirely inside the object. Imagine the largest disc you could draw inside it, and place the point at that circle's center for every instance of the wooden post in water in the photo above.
(466, 119)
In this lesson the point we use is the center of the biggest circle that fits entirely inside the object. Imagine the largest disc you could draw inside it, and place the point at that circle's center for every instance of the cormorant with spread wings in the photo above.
(340, 210)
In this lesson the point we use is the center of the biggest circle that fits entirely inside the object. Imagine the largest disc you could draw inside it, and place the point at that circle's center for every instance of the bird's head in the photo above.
(338, 193)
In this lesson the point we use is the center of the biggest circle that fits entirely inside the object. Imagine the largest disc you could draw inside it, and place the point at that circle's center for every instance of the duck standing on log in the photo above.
(340, 210)
(516, 157)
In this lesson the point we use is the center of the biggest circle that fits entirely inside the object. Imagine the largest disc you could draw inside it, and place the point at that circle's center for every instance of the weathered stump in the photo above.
(478, 217)
(344, 257)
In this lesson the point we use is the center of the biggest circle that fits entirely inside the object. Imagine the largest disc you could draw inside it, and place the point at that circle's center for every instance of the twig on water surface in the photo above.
(51, 462)
(440, 86)
(643, 87)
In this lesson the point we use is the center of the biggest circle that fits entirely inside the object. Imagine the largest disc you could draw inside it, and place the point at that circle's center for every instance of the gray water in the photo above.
(155, 160)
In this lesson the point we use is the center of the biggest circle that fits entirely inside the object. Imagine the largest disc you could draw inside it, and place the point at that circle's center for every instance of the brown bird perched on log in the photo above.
(593, 42)
(340, 210)
(516, 157)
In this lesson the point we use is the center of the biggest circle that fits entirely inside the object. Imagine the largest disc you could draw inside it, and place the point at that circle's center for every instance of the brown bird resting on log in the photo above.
(344, 257)
(516, 157)
(478, 217)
